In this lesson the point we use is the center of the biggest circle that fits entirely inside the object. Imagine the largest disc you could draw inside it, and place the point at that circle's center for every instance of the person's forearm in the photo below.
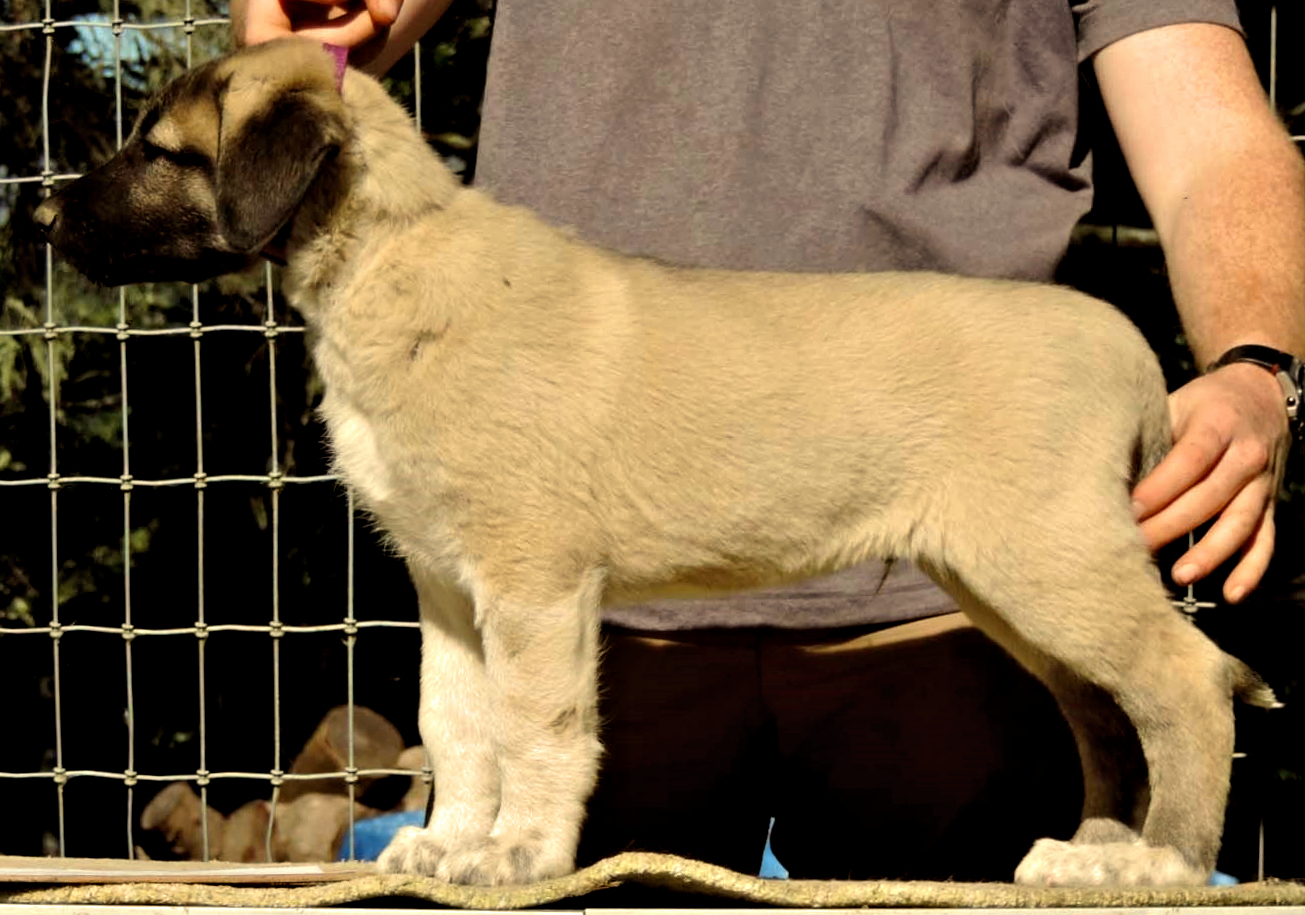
(1223, 183)
(1235, 247)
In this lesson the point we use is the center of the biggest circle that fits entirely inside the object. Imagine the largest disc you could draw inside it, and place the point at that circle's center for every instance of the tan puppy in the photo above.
(542, 426)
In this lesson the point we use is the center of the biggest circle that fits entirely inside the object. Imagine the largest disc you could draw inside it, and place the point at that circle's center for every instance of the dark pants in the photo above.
(914, 751)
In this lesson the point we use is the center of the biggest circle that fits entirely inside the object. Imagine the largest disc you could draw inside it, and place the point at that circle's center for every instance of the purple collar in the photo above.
(341, 55)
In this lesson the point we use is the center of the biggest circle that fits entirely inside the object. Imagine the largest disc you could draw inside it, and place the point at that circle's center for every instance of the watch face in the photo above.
(1297, 372)
(1292, 379)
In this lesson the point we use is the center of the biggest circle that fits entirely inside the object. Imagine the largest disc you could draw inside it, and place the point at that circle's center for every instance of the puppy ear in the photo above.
(268, 159)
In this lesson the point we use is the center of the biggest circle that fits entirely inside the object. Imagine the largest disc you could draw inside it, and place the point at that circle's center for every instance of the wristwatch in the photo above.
(1289, 371)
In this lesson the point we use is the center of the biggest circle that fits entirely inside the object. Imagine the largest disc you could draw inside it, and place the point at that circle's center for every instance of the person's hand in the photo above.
(347, 23)
(1230, 446)
(377, 32)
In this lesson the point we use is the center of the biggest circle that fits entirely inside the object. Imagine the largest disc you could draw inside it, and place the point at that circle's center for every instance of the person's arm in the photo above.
(1225, 187)
(378, 32)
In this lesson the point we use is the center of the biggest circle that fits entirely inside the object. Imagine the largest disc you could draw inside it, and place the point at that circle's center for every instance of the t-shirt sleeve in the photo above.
(1101, 22)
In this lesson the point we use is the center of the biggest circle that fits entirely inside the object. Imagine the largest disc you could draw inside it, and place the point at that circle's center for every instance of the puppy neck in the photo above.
(385, 174)
(400, 176)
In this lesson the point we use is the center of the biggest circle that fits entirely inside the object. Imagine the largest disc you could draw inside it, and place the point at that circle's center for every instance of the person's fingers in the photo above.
(347, 23)
(1248, 573)
(1163, 501)
(383, 12)
(1240, 528)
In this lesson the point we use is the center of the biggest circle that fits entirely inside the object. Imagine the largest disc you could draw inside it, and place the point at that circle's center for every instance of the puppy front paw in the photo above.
(504, 860)
(493, 861)
(1055, 863)
(413, 850)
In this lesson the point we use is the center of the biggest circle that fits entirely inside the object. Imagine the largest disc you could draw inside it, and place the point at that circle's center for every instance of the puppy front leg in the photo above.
(456, 728)
(541, 660)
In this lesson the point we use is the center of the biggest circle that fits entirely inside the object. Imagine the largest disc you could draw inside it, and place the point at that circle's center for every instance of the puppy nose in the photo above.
(46, 215)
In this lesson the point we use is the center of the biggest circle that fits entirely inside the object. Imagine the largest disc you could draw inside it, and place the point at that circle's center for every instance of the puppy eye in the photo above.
(189, 158)
(182, 158)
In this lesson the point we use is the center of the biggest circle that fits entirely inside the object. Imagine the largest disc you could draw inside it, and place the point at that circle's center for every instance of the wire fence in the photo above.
(204, 484)
(110, 35)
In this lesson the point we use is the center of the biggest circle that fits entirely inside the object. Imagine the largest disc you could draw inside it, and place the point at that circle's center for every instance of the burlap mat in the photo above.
(664, 872)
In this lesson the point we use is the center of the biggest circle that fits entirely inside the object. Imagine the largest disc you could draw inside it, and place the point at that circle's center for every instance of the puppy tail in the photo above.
(1249, 687)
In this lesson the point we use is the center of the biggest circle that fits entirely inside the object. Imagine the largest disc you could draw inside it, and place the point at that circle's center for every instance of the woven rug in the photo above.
(358, 885)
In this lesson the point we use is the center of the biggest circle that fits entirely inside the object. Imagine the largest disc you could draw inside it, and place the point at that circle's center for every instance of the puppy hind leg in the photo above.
(455, 721)
(1108, 623)
(1113, 768)
(542, 667)
(1187, 743)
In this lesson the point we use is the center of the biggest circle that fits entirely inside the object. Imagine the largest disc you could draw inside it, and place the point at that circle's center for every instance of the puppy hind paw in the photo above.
(1055, 863)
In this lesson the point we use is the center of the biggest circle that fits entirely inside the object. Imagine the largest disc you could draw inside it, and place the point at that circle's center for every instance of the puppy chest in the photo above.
(358, 453)
(355, 397)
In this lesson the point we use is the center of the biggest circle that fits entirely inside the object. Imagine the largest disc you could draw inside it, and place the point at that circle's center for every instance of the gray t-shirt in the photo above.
(818, 135)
